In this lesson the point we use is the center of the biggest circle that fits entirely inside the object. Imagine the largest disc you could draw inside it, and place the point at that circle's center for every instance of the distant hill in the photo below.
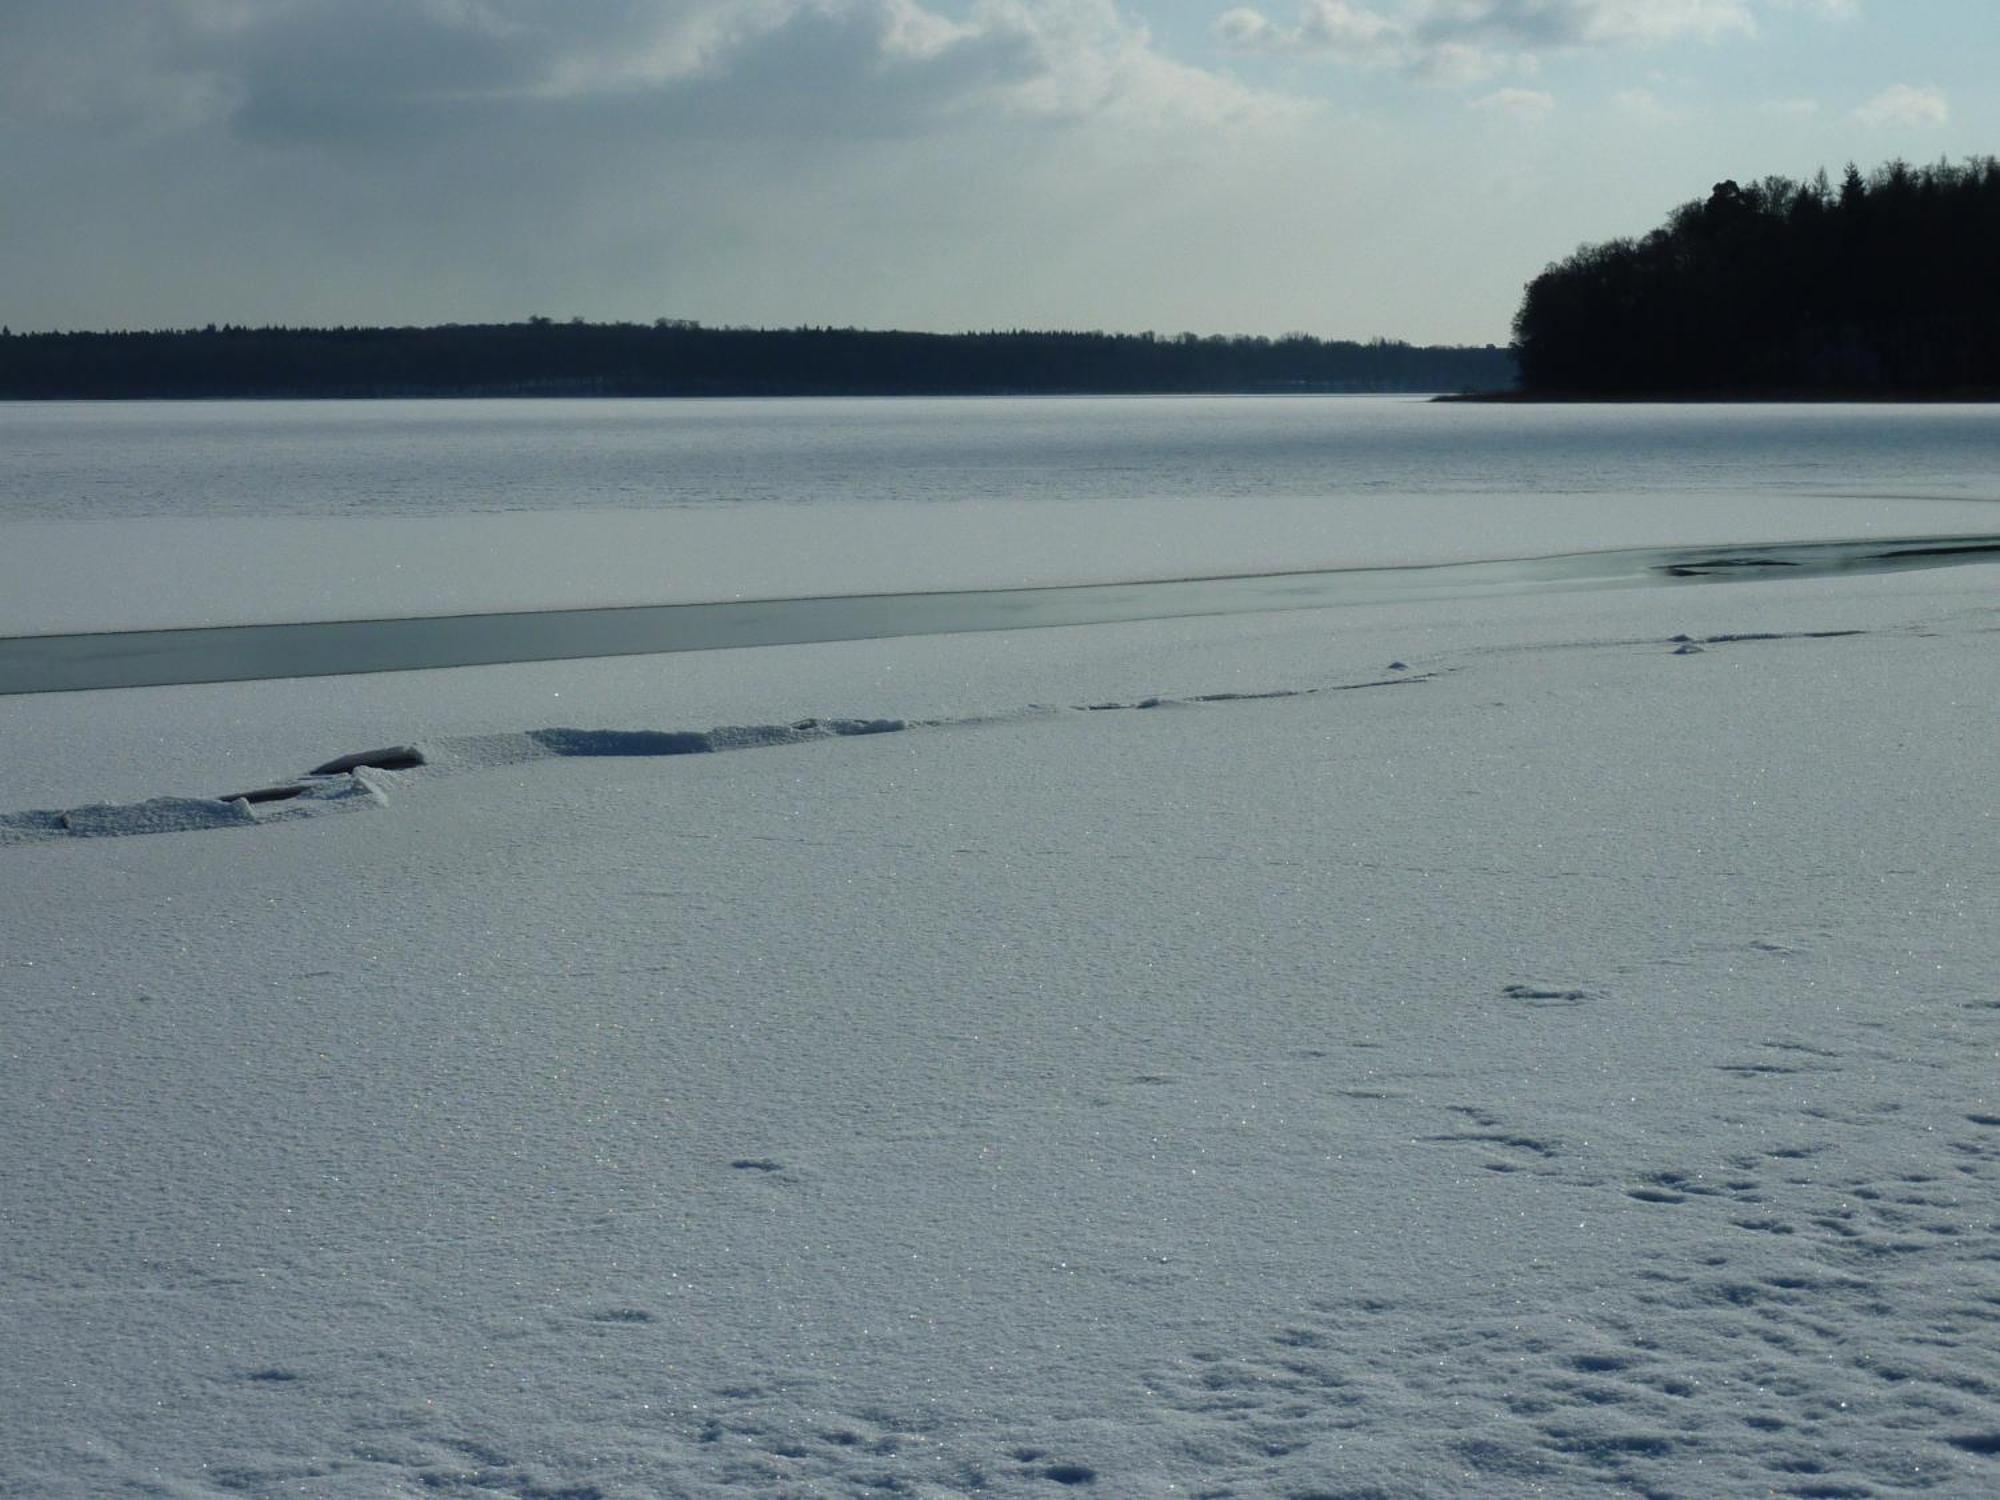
(678, 358)
(1884, 285)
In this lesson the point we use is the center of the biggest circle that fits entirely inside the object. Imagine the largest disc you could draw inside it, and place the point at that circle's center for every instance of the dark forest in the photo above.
(1883, 285)
(674, 357)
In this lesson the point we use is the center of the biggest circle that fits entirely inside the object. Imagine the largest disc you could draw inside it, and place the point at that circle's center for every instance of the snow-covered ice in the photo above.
(254, 570)
(1191, 1057)
(143, 514)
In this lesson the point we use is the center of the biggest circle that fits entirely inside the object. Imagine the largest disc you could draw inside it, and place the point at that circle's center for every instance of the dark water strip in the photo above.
(238, 653)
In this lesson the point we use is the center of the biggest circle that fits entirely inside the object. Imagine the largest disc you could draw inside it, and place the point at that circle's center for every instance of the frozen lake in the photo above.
(74, 461)
(239, 653)
(149, 516)
(1499, 1040)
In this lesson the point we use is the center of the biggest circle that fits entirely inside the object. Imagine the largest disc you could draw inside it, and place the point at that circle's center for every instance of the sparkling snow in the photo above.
(1182, 1058)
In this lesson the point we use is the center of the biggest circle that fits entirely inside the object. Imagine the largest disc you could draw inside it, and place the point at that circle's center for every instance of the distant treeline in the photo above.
(1887, 284)
(674, 357)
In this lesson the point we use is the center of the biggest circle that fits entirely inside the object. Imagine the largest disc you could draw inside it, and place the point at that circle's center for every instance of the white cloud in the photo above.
(1903, 105)
(1521, 104)
(1642, 104)
(1826, 10)
(1458, 64)
(1063, 58)
(349, 71)
(1597, 23)
(923, 162)
(1466, 40)
(1087, 59)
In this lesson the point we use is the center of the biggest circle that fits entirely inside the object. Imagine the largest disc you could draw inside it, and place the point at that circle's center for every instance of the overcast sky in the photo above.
(1349, 168)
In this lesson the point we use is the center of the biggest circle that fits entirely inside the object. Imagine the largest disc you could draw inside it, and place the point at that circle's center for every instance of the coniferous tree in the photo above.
(1780, 286)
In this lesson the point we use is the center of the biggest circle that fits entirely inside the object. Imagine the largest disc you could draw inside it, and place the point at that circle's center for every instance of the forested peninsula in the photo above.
(675, 357)
(1883, 286)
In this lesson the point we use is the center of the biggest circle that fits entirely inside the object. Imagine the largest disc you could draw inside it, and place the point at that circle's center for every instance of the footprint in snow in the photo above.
(1546, 994)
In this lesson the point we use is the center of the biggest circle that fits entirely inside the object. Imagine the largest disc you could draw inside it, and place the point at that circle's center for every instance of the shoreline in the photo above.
(1786, 397)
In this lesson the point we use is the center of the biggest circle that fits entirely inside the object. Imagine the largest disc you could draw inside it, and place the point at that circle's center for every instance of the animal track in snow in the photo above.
(1491, 1131)
(622, 1316)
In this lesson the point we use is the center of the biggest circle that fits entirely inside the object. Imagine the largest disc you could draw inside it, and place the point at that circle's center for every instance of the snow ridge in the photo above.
(367, 778)
(364, 779)
(349, 783)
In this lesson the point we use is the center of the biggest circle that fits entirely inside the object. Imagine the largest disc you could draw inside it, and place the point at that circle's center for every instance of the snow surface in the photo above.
(1181, 1058)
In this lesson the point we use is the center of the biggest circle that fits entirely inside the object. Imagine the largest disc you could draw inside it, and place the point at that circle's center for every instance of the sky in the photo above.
(1345, 168)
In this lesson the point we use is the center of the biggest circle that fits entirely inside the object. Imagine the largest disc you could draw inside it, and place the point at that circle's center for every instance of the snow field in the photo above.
(1565, 1071)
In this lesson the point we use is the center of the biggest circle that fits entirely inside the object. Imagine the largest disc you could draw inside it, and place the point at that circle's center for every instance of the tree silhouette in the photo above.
(1885, 286)
(677, 357)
